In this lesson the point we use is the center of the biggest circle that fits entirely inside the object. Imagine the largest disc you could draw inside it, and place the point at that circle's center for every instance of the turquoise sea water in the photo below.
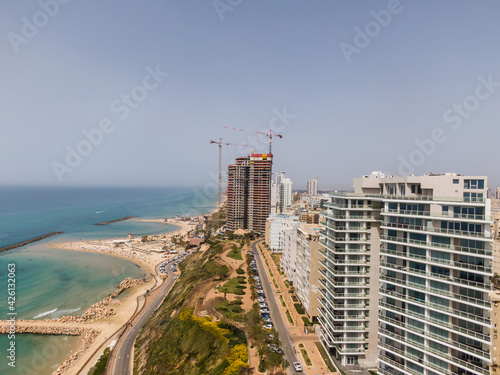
(53, 282)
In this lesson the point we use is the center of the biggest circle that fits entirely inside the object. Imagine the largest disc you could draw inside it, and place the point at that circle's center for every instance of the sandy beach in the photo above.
(112, 315)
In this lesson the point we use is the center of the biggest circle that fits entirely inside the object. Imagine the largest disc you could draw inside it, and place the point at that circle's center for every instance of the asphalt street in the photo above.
(276, 315)
(122, 353)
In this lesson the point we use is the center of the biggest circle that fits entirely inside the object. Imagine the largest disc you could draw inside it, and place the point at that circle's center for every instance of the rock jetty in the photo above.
(114, 221)
(97, 311)
(39, 238)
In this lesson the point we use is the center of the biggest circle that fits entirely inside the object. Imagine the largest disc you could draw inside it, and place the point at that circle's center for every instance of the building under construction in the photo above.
(249, 192)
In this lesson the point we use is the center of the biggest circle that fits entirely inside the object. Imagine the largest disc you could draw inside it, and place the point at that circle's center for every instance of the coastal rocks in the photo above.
(62, 326)
(100, 309)
(88, 338)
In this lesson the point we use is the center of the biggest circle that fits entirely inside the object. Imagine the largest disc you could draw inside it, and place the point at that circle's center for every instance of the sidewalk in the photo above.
(297, 329)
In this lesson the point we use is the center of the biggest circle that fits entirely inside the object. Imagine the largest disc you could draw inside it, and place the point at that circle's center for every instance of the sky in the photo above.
(130, 93)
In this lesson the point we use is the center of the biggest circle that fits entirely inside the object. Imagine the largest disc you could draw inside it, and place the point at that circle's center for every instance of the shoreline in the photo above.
(147, 256)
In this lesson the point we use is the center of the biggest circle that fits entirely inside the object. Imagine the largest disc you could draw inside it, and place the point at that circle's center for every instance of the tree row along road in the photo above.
(276, 315)
(123, 352)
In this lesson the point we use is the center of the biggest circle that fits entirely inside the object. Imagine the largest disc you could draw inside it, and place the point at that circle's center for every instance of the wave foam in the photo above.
(44, 313)
(67, 312)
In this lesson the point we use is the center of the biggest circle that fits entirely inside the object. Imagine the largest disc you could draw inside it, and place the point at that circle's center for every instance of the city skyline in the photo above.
(130, 95)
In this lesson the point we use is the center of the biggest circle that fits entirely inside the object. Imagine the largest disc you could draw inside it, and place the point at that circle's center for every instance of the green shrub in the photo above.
(299, 308)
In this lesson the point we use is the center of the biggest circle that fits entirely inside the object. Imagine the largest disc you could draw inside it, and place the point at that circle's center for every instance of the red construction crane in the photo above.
(270, 135)
(220, 143)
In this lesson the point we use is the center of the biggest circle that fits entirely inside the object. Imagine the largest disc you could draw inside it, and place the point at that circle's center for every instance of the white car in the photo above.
(297, 366)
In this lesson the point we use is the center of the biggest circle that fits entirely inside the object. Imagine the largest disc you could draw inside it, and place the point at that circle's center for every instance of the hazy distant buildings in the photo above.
(249, 192)
(283, 192)
(310, 217)
(312, 187)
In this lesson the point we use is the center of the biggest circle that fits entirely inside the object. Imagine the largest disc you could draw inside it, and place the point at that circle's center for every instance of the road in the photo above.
(122, 352)
(276, 315)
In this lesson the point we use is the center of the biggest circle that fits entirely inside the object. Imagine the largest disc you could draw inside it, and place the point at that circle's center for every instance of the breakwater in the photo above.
(39, 238)
(114, 221)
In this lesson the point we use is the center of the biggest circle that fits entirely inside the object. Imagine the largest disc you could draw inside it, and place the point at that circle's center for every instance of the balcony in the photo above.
(338, 217)
(345, 206)
(437, 246)
(439, 308)
(452, 344)
(454, 361)
(343, 251)
(350, 340)
(415, 197)
(449, 326)
(342, 239)
(438, 292)
(421, 228)
(344, 229)
(447, 215)
(393, 363)
(439, 261)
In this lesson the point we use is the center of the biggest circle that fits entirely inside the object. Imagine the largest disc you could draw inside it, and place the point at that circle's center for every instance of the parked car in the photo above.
(268, 326)
(297, 366)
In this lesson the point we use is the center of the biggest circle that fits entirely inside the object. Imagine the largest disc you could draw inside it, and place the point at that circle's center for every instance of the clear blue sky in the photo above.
(238, 66)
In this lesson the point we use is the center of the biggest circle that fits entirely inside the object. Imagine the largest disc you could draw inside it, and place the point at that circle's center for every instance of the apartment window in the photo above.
(438, 331)
(438, 362)
(455, 181)
(352, 360)
(438, 347)
(473, 184)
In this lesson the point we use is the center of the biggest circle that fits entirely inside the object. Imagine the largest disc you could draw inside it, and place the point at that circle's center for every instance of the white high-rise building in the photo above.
(312, 187)
(285, 192)
(276, 225)
(288, 261)
(405, 275)
(274, 198)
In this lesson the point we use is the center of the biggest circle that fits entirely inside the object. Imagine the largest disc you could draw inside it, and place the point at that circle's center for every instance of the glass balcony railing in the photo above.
(452, 344)
(436, 306)
(422, 228)
(415, 197)
(445, 214)
(449, 358)
(438, 246)
(459, 264)
(441, 292)
(396, 364)
(440, 323)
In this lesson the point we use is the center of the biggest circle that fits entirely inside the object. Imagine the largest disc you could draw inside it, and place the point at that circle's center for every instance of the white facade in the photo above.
(312, 187)
(421, 246)
(289, 257)
(307, 257)
(285, 191)
(277, 225)
(274, 198)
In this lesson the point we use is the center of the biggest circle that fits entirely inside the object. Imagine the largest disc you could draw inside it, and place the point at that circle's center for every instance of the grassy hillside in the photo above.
(175, 341)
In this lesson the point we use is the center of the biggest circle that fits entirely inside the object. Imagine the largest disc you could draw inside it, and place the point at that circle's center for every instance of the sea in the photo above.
(52, 282)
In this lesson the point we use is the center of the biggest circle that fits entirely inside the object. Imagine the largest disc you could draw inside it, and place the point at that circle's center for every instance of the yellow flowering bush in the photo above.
(238, 357)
